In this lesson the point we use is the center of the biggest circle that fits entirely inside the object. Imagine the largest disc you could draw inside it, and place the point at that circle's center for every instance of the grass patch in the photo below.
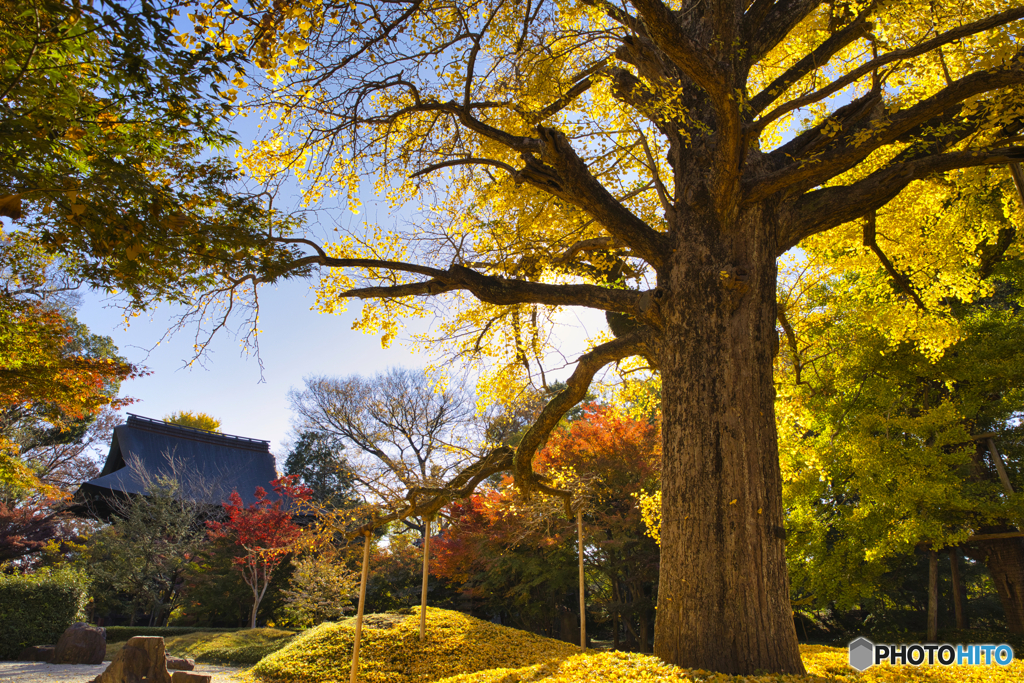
(390, 651)
(119, 634)
(232, 648)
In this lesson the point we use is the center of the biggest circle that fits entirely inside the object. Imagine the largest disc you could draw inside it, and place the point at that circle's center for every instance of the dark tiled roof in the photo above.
(207, 465)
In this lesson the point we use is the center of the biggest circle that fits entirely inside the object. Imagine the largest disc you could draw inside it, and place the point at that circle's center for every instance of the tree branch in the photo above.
(826, 208)
(764, 32)
(581, 83)
(465, 162)
(519, 461)
(505, 292)
(815, 59)
(562, 173)
(664, 29)
(794, 349)
(870, 227)
(577, 385)
(802, 174)
(866, 68)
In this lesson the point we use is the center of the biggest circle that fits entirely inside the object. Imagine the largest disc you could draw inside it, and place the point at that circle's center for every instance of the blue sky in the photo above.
(296, 342)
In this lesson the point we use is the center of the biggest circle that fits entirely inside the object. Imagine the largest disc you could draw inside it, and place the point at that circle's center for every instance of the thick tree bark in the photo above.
(723, 601)
(1004, 558)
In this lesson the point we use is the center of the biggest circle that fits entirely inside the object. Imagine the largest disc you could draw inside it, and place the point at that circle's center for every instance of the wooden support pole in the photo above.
(994, 537)
(997, 460)
(426, 577)
(933, 596)
(958, 595)
(354, 673)
(583, 598)
(1018, 180)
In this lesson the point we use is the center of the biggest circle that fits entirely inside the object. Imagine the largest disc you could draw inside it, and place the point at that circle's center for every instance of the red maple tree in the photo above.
(264, 530)
(611, 457)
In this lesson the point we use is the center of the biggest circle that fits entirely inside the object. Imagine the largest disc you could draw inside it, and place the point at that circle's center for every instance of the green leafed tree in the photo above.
(321, 588)
(884, 435)
(106, 130)
(319, 460)
(139, 562)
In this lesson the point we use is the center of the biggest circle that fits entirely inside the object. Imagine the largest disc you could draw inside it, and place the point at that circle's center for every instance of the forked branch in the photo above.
(888, 58)
(870, 241)
(429, 501)
(828, 207)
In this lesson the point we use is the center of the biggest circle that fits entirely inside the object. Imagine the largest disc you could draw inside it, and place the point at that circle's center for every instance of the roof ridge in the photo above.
(160, 427)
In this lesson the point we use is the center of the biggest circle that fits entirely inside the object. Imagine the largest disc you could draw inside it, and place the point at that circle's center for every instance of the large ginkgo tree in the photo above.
(647, 159)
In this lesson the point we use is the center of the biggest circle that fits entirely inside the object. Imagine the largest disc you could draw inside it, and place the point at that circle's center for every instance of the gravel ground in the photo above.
(42, 672)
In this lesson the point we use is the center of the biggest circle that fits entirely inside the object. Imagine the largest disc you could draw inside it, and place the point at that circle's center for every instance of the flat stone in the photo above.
(37, 653)
(180, 663)
(189, 677)
(81, 644)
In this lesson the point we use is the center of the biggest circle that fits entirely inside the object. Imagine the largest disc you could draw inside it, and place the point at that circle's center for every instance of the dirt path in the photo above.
(42, 672)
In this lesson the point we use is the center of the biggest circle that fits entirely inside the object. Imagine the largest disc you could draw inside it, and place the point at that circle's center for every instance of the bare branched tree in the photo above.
(404, 434)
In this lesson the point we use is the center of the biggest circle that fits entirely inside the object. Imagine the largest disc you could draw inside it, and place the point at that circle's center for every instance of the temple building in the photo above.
(207, 466)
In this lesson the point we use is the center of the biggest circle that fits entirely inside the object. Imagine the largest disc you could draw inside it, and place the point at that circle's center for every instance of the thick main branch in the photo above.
(505, 292)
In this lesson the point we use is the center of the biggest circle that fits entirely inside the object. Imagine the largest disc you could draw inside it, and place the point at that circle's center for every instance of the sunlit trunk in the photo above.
(723, 597)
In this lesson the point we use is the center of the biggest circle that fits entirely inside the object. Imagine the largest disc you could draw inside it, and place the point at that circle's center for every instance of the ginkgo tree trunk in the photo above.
(647, 159)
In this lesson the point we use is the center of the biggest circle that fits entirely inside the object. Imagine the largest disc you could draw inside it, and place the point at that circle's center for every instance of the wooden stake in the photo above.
(583, 599)
(958, 596)
(997, 460)
(426, 576)
(354, 674)
(933, 596)
(1018, 179)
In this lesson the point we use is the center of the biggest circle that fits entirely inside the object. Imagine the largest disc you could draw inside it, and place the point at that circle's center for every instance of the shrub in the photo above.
(35, 609)
(456, 643)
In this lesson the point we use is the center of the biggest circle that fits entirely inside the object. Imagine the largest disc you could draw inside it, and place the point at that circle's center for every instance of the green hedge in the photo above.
(119, 634)
(36, 609)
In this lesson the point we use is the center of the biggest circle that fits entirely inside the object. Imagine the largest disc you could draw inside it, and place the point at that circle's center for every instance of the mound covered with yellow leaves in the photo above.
(461, 649)
(824, 664)
(390, 651)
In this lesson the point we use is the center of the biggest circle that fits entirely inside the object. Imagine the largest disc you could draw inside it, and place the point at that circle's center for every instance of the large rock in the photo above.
(141, 659)
(180, 663)
(37, 653)
(81, 644)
